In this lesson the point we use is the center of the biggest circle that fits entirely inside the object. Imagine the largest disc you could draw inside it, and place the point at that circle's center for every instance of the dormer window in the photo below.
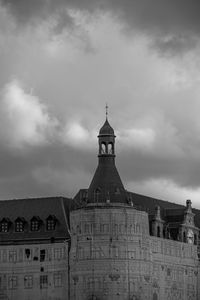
(35, 223)
(51, 223)
(97, 193)
(19, 224)
(4, 225)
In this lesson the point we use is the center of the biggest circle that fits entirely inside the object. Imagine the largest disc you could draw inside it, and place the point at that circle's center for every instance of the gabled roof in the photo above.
(41, 208)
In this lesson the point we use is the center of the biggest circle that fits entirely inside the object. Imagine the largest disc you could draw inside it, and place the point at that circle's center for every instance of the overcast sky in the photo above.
(61, 61)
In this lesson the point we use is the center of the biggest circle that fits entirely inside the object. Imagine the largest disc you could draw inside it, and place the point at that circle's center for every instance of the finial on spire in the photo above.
(106, 111)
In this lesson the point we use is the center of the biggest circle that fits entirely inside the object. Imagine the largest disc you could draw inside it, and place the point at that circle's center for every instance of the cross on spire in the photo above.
(106, 110)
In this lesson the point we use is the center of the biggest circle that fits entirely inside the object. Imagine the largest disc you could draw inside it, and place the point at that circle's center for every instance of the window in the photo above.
(12, 256)
(19, 225)
(51, 223)
(4, 225)
(58, 253)
(110, 148)
(42, 255)
(103, 148)
(27, 253)
(43, 281)
(35, 224)
(28, 281)
(57, 279)
(158, 231)
(97, 194)
(12, 282)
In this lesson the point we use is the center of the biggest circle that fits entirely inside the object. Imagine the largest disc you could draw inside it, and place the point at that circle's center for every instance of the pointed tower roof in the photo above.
(106, 185)
(106, 129)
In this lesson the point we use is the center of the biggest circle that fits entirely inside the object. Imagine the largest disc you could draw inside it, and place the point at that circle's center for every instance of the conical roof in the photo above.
(106, 184)
(106, 129)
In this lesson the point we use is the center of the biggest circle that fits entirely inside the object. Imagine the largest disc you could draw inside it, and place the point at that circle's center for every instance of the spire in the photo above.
(106, 111)
(106, 185)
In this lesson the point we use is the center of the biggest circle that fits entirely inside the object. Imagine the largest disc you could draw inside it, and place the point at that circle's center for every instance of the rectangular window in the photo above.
(27, 254)
(42, 255)
(28, 281)
(87, 228)
(4, 227)
(19, 226)
(12, 256)
(4, 256)
(34, 225)
(51, 224)
(57, 279)
(43, 281)
(58, 253)
(12, 282)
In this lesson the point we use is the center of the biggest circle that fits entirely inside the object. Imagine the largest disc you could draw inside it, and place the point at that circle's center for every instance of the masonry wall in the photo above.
(110, 253)
(175, 270)
(113, 257)
(36, 271)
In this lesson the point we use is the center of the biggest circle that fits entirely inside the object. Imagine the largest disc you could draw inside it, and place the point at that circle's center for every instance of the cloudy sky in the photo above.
(61, 61)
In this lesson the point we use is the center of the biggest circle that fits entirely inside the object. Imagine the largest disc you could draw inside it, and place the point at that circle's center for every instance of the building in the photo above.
(105, 244)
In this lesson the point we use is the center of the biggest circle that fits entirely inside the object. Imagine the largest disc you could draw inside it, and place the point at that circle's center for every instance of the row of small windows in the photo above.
(28, 254)
(35, 224)
(12, 282)
(105, 228)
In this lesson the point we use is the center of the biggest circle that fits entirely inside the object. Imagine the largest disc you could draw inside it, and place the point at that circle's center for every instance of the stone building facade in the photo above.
(105, 244)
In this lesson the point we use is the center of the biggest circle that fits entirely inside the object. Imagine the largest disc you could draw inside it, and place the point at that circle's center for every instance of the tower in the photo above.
(110, 238)
(106, 185)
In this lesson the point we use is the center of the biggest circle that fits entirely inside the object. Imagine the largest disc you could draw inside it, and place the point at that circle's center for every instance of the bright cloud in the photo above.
(76, 135)
(24, 119)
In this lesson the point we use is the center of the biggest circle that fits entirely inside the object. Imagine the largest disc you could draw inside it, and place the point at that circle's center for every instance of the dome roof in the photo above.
(106, 129)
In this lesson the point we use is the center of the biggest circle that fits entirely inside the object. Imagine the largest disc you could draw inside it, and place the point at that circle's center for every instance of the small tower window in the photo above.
(51, 223)
(110, 148)
(19, 224)
(158, 231)
(103, 148)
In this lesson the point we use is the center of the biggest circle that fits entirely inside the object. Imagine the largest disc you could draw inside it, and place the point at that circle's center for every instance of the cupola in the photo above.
(106, 185)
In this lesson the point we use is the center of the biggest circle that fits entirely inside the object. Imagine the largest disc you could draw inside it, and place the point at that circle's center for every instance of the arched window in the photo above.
(158, 231)
(110, 148)
(97, 193)
(103, 148)
(184, 237)
(155, 296)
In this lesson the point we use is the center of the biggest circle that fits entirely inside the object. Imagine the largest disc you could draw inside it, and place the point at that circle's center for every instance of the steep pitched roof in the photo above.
(169, 209)
(35, 207)
(107, 180)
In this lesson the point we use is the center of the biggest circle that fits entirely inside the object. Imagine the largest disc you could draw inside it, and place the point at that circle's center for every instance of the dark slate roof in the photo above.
(108, 181)
(41, 208)
(167, 208)
(106, 129)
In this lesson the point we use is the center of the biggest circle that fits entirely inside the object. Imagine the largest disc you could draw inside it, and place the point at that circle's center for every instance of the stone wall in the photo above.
(110, 253)
(113, 257)
(36, 271)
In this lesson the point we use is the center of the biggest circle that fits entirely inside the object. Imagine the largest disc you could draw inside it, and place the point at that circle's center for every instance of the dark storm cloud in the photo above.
(174, 25)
